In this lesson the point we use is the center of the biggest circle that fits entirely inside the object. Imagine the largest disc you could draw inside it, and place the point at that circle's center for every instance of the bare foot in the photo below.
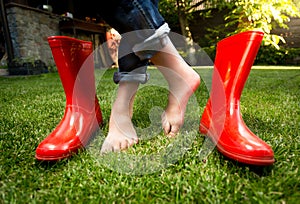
(121, 134)
(182, 80)
(181, 89)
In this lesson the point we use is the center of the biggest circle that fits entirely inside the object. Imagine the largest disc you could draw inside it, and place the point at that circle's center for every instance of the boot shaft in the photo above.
(75, 65)
(234, 58)
(69, 53)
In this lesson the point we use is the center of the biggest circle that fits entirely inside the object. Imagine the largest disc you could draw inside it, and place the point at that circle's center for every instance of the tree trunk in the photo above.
(185, 30)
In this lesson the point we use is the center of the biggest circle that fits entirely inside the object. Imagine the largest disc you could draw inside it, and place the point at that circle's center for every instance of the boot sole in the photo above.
(43, 158)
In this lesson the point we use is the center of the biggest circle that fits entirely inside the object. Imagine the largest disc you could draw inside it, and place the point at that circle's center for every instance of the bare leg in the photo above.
(121, 134)
(182, 81)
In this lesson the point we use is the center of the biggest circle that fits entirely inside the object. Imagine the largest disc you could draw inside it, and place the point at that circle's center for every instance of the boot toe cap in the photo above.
(50, 152)
(262, 155)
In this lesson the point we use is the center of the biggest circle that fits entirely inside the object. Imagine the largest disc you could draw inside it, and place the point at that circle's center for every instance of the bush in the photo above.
(268, 55)
(27, 67)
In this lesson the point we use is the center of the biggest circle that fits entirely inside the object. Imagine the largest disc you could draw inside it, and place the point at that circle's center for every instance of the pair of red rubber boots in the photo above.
(221, 119)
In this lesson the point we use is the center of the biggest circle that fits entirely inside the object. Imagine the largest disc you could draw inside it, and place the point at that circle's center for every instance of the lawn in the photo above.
(157, 170)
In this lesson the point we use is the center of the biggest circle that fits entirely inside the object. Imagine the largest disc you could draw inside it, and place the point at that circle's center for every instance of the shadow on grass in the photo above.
(238, 167)
(55, 164)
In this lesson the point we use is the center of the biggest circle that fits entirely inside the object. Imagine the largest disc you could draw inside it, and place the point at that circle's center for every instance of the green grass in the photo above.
(32, 106)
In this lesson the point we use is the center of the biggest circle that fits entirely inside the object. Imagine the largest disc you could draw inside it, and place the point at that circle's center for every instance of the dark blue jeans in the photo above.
(135, 20)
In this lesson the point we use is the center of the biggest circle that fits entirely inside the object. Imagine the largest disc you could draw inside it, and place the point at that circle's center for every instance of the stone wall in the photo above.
(29, 30)
(30, 27)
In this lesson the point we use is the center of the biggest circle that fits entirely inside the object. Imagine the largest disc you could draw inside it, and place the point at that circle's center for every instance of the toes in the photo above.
(106, 147)
(128, 142)
(165, 124)
(171, 128)
(122, 145)
(116, 146)
(131, 141)
(110, 146)
(174, 131)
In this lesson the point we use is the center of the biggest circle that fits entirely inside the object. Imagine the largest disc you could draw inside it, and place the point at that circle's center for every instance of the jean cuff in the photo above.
(138, 75)
(153, 43)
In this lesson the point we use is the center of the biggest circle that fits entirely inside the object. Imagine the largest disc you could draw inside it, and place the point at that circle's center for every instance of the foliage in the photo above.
(297, 3)
(27, 66)
(169, 11)
(268, 55)
(262, 15)
(3, 67)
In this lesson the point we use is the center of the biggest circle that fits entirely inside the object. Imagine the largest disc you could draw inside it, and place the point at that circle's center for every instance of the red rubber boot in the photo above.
(221, 119)
(75, 64)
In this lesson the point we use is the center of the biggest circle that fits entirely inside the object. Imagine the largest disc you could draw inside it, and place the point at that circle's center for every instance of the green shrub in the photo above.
(268, 55)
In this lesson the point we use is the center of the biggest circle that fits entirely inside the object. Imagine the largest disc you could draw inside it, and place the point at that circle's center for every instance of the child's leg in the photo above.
(121, 133)
(182, 80)
(146, 16)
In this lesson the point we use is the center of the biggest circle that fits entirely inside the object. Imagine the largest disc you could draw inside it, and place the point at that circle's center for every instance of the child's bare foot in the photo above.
(121, 134)
(182, 80)
(181, 89)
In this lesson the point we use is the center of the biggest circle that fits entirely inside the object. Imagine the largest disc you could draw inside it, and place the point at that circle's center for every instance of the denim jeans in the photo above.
(136, 21)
